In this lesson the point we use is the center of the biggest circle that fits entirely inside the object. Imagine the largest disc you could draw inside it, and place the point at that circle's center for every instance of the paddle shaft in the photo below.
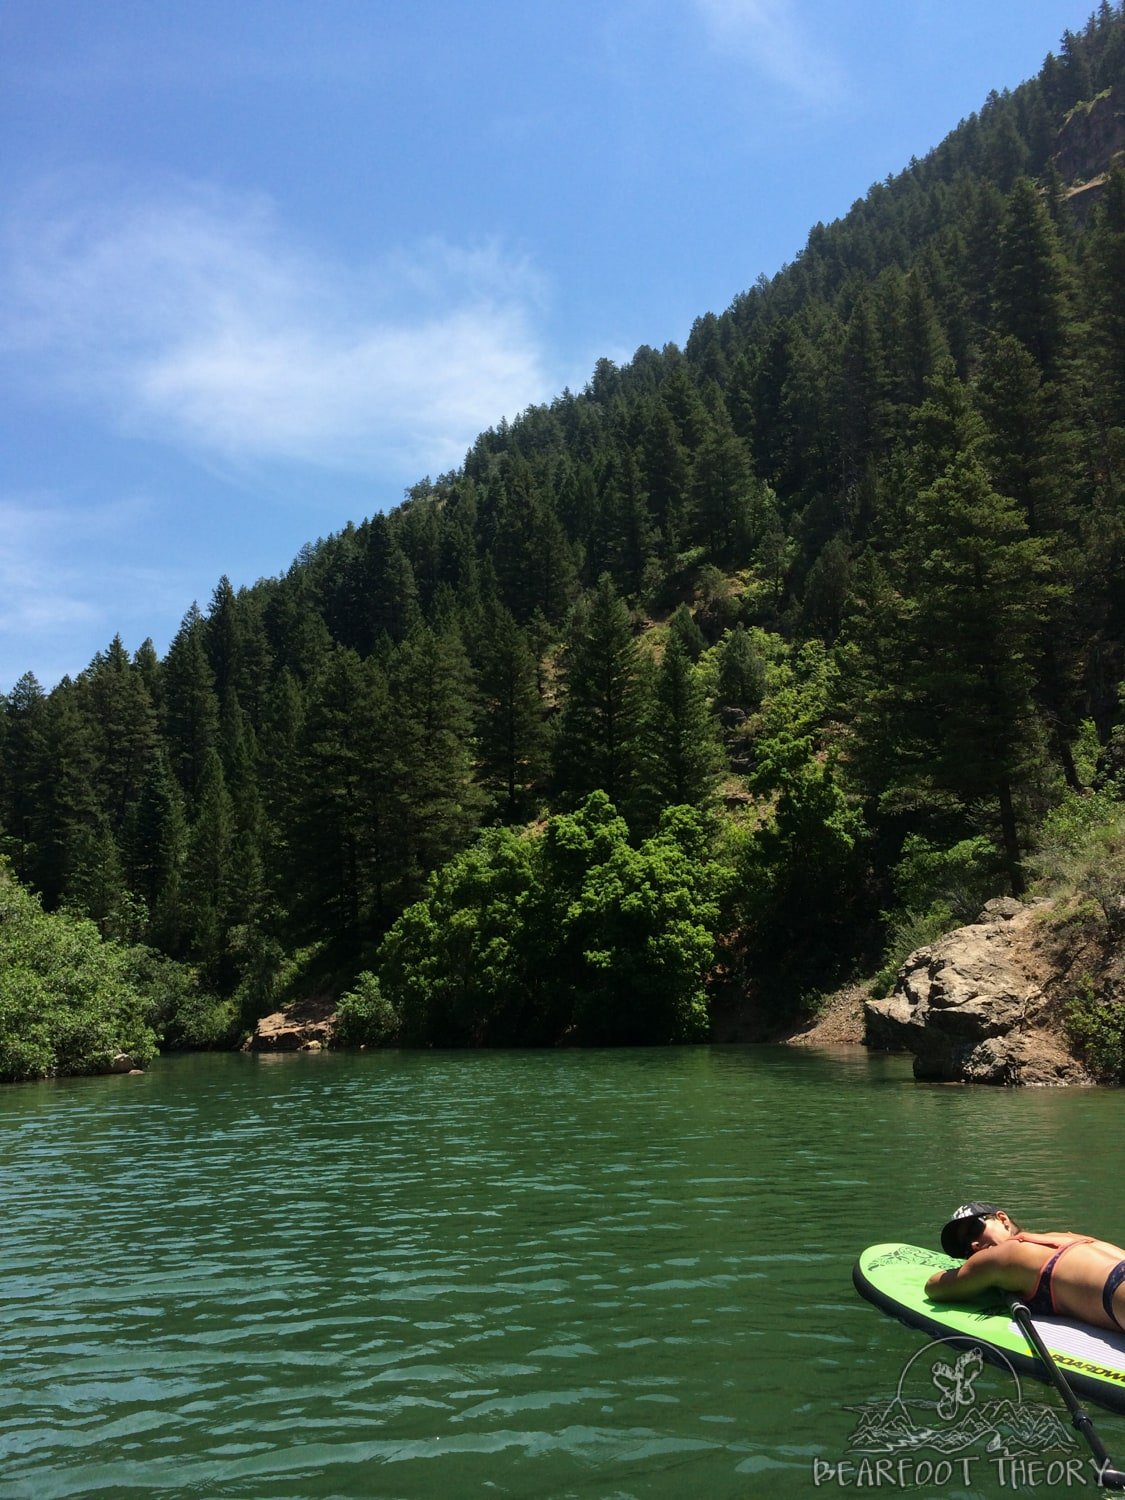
(1109, 1476)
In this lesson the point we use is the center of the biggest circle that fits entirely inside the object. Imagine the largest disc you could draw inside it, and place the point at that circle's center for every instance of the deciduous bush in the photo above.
(365, 1017)
(69, 1002)
(1096, 1028)
(570, 933)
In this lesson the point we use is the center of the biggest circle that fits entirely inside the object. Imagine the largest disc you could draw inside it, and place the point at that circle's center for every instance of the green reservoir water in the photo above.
(588, 1274)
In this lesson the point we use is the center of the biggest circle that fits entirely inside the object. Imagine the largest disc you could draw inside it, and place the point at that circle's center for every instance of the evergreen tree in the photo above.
(342, 868)
(209, 888)
(681, 751)
(25, 751)
(742, 673)
(512, 727)
(1105, 272)
(721, 492)
(123, 728)
(95, 881)
(667, 473)
(432, 695)
(863, 392)
(972, 629)
(222, 639)
(826, 591)
(923, 345)
(533, 559)
(623, 541)
(597, 743)
(157, 848)
(64, 771)
(1026, 462)
(296, 632)
(682, 628)
(1032, 280)
(191, 711)
(149, 670)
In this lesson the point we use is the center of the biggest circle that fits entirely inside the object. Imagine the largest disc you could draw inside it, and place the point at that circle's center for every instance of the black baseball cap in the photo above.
(963, 1227)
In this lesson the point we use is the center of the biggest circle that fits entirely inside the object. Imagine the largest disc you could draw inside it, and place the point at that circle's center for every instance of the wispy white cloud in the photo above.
(776, 38)
(192, 317)
(53, 601)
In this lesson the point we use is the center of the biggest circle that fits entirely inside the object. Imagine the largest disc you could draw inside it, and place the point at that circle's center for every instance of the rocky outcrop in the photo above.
(1093, 135)
(972, 1007)
(305, 1026)
(122, 1062)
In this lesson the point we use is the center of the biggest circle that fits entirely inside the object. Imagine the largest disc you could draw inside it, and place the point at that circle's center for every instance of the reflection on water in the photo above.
(550, 1274)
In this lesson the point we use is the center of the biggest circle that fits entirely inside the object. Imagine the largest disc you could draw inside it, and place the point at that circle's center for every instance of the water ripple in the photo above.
(574, 1274)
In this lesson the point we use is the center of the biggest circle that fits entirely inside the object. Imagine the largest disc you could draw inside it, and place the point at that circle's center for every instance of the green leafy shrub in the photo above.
(961, 877)
(1096, 1029)
(457, 965)
(907, 931)
(365, 1017)
(183, 1014)
(1081, 851)
(573, 933)
(69, 1001)
(639, 937)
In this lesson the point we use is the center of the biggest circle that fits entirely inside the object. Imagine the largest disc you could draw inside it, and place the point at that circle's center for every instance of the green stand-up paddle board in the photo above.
(894, 1277)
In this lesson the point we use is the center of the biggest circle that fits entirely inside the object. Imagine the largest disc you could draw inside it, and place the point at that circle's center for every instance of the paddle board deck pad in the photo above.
(894, 1277)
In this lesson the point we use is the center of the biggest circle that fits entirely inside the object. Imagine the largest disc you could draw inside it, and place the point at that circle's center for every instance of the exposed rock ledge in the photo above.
(304, 1027)
(974, 1007)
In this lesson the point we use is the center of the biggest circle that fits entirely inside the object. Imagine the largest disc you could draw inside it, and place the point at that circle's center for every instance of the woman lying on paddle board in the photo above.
(1069, 1275)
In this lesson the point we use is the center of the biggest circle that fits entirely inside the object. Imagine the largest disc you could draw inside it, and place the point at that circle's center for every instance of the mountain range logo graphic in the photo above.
(937, 1408)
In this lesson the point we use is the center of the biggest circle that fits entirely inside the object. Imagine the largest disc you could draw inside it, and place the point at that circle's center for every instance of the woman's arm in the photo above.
(982, 1271)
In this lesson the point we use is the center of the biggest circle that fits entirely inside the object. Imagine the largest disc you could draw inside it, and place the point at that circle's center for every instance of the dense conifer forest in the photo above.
(731, 674)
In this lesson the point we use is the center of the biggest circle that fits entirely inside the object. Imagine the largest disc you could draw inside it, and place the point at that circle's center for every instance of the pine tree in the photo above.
(67, 805)
(191, 711)
(297, 634)
(156, 852)
(721, 492)
(209, 889)
(95, 882)
(512, 728)
(387, 596)
(742, 673)
(342, 872)
(432, 701)
(1032, 280)
(863, 392)
(1105, 273)
(623, 540)
(826, 591)
(533, 559)
(597, 743)
(972, 630)
(123, 728)
(667, 473)
(682, 627)
(681, 753)
(222, 638)
(923, 344)
(25, 750)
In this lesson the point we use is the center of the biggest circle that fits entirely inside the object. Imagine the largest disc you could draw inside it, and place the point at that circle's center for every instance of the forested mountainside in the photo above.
(734, 665)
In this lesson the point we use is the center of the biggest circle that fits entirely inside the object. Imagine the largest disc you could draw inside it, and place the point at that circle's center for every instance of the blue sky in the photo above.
(266, 263)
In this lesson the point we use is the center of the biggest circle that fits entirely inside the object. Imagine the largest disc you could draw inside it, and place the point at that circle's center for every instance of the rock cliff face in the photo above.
(1093, 135)
(972, 1007)
(1089, 143)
